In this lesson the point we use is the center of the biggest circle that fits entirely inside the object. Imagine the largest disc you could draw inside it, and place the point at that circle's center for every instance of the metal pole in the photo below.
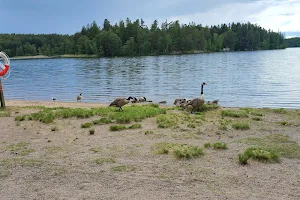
(2, 96)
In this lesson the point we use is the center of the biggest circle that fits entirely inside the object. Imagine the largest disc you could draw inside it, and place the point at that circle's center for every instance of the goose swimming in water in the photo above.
(79, 97)
(119, 102)
(54, 98)
(196, 103)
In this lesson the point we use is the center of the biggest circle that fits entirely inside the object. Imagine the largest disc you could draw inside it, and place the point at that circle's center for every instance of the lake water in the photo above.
(237, 79)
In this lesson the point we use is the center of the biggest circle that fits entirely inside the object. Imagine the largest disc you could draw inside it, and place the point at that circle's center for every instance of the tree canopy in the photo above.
(128, 38)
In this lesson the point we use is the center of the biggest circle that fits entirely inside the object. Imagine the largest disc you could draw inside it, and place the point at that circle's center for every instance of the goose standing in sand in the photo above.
(196, 103)
(119, 102)
(79, 97)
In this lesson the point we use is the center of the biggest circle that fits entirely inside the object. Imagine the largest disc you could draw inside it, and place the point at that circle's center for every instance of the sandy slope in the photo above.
(61, 165)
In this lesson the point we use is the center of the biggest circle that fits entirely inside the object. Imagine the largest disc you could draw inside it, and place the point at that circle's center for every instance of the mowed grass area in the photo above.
(130, 114)
(216, 149)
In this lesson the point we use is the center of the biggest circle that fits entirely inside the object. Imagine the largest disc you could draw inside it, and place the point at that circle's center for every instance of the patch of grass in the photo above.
(11, 163)
(136, 113)
(54, 128)
(123, 168)
(101, 161)
(234, 113)
(148, 132)
(95, 149)
(131, 113)
(224, 123)
(25, 152)
(240, 126)
(284, 123)
(280, 110)
(257, 118)
(177, 150)
(220, 145)
(86, 125)
(167, 121)
(4, 113)
(20, 118)
(243, 159)
(208, 107)
(135, 126)
(102, 121)
(20, 149)
(252, 111)
(117, 127)
(207, 145)
(258, 154)
(17, 147)
(277, 143)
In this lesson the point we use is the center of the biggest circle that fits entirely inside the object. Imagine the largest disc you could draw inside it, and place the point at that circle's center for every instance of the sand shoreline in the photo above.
(63, 160)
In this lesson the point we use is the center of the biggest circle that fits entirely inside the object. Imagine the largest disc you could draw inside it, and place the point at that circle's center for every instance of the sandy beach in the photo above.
(60, 159)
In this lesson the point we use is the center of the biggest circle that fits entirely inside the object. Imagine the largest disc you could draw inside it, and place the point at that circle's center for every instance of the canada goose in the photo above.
(196, 103)
(134, 100)
(177, 102)
(142, 99)
(216, 102)
(79, 97)
(119, 102)
(183, 104)
(54, 98)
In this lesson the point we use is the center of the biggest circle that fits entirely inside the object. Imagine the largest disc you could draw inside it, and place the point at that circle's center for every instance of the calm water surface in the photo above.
(237, 79)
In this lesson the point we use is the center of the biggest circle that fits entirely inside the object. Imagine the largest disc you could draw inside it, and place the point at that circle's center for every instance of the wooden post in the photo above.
(2, 96)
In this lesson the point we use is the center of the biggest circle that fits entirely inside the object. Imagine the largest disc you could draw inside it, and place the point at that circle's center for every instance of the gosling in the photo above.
(79, 98)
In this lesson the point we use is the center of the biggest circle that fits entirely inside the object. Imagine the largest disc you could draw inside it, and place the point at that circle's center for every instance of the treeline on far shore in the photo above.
(137, 39)
(293, 42)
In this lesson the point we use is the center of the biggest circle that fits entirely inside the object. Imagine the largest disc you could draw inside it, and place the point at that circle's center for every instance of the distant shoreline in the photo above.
(52, 57)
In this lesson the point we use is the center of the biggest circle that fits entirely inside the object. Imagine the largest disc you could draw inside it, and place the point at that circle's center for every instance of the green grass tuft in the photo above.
(207, 145)
(20, 118)
(148, 132)
(277, 143)
(234, 113)
(261, 154)
(135, 126)
(240, 126)
(123, 168)
(280, 110)
(167, 121)
(117, 127)
(101, 161)
(102, 121)
(257, 118)
(4, 113)
(220, 145)
(284, 123)
(86, 125)
(243, 159)
(177, 150)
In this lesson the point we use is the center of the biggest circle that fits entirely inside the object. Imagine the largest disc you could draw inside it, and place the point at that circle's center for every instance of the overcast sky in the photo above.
(68, 16)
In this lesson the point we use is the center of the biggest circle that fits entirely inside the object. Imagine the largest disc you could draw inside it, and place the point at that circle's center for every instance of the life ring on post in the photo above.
(4, 68)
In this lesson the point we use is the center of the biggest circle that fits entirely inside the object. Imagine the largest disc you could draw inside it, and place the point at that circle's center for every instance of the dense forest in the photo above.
(292, 42)
(135, 39)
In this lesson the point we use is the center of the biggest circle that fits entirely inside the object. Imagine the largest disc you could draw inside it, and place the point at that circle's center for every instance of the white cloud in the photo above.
(282, 15)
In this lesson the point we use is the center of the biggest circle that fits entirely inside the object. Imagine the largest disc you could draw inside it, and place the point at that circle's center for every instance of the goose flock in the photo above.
(190, 105)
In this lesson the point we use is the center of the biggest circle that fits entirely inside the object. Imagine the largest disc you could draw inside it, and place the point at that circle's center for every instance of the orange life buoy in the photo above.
(5, 70)
(4, 67)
